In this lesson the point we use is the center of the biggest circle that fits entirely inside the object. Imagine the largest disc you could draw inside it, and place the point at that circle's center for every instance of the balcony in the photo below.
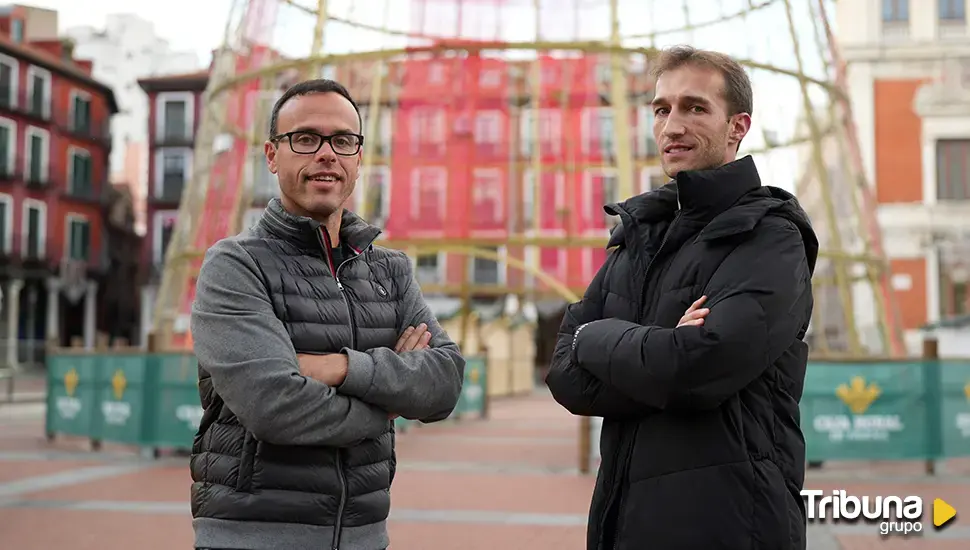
(171, 192)
(15, 256)
(175, 135)
(95, 132)
(93, 193)
(32, 107)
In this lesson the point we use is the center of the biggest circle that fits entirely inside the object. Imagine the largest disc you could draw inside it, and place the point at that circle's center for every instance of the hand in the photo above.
(694, 317)
(413, 339)
(330, 369)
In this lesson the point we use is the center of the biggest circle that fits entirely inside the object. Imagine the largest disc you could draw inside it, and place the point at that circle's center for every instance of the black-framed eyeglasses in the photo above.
(305, 142)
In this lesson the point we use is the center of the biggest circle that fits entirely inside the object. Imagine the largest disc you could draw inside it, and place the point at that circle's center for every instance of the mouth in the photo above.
(324, 177)
(677, 149)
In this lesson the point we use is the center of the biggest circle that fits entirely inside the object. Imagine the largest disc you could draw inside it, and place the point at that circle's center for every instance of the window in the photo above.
(265, 184)
(6, 223)
(651, 178)
(489, 78)
(605, 131)
(8, 135)
(174, 116)
(162, 234)
(9, 70)
(954, 298)
(646, 145)
(550, 131)
(428, 194)
(382, 144)
(17, 30)
(80, 172)
(427, 130)
(38, 151)
(551, 196)
(895, 11)
(953, 169)
(34, 226)
(602, 189)
(80, 112)
(172, 169)
(488, 133)
(952, 10)
(485, 271)
(78, 238)
(487, 197)
(427, 269)
(436, 73)
(377, 187)
(38, 92)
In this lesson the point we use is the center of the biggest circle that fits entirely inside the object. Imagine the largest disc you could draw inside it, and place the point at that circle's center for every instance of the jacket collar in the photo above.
(700, 195)
(704, 194)
(304, 231)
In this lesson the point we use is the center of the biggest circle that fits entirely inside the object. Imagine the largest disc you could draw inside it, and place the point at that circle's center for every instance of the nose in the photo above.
(326, 153)
(673, 127)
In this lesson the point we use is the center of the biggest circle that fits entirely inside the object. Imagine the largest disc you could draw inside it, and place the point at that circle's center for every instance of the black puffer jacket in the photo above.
(701, 445)
(281, 460)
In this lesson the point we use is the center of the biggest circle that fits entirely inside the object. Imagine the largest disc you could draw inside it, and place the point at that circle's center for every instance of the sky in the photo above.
(199, 25)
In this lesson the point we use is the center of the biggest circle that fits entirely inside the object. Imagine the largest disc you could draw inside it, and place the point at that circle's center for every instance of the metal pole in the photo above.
(313, 69)
(621, 108)
(841, 276)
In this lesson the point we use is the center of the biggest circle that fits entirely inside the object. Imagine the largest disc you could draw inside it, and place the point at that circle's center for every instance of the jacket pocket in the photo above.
(244, 478)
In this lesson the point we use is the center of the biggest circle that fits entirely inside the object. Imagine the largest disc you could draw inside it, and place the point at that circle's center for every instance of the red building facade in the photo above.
(175, 107)
(458, 163)
(54, 150)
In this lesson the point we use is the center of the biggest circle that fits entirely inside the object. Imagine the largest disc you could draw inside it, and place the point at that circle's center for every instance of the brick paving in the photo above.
(509, 483)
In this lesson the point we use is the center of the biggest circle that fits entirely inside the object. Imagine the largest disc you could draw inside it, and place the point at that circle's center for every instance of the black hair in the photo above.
(307, 87)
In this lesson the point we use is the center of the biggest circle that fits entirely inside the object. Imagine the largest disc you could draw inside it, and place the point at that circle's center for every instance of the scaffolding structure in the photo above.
(495, 130)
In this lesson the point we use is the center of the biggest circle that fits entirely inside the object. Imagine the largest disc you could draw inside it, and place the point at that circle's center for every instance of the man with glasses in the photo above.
(311, 340)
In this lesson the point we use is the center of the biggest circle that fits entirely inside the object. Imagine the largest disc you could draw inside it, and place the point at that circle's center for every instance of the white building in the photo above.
(909, 82)
(127, 49)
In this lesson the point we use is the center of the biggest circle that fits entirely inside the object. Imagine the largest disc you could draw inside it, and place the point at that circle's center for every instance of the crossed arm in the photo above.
(419, 379)
(760, 300)
(254, 368)
(573, 387)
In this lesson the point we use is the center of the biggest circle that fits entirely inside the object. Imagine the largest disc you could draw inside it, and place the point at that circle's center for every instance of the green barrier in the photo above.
(147, 400)
(152, 400)
(886, 411)
(472, 400)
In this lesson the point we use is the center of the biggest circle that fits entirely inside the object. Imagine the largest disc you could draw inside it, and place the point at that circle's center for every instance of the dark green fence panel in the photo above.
(175, 400)
(72, 387)
(955, 407)
(122, 386)
(474, 387)
(152, 400)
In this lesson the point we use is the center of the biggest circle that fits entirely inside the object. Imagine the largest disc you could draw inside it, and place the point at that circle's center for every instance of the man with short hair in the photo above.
(689, 340)
(310, 340)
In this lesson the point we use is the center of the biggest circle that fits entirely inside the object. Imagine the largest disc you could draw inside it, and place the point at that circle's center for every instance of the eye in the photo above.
(697, 109)
(659, 111)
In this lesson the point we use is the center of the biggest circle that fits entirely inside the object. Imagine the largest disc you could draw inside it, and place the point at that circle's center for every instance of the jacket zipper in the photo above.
(629, 455)
(335, 270)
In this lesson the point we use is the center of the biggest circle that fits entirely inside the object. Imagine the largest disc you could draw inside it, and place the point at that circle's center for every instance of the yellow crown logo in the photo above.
(71, 380)
(966, 391)
(118, 384)
(474, 375)
(857, 395)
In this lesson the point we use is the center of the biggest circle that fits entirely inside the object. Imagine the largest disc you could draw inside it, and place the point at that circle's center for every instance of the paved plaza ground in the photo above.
(506, 483)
